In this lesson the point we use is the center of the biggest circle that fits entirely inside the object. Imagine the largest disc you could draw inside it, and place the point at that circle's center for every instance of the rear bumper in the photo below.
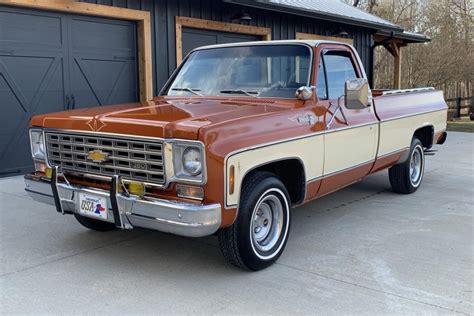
(129, 211)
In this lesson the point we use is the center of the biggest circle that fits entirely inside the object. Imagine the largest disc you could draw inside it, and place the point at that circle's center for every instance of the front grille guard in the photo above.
(115, 188)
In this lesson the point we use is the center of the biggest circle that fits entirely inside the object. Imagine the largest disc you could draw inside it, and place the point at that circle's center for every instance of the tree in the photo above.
(447, 61)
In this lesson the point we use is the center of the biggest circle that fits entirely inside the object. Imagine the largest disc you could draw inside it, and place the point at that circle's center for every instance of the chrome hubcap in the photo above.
(416, 165)
(267, 222)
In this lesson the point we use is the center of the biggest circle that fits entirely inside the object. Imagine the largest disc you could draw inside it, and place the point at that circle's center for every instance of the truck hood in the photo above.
(163, 117)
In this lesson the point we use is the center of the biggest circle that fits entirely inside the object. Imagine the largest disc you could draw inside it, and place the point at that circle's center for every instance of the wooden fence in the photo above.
(457, 105)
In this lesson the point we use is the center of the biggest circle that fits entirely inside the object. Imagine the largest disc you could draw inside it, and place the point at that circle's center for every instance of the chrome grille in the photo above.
(132, 159)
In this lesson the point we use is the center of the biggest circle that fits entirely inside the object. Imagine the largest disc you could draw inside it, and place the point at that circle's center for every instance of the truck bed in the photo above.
(402, 112)
(390, 104)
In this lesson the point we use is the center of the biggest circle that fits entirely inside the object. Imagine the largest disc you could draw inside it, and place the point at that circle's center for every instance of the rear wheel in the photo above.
(406, 177)
(259, 234)
(94, 224)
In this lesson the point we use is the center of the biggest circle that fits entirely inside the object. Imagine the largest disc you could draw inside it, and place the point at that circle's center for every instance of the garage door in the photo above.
(193, 38)
(53, 62)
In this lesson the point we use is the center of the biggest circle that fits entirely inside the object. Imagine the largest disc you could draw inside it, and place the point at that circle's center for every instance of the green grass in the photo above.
(462, 125)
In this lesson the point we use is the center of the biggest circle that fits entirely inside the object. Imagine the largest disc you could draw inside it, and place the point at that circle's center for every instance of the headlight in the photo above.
(192, 163)
(188, 162)
(37, 144)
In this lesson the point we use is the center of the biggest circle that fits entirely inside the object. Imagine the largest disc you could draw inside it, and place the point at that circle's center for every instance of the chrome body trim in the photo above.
(357, 165)
(232, 153)
(266, 163)
(314, 179)
(235, 152)
(378, 123)
(321, 133)
(274, 42)
(238, 151)
(45, 160)
(393, 153)
(404, 91)
(227, 206)
(410, 115)
(327, 175)
(191, 220)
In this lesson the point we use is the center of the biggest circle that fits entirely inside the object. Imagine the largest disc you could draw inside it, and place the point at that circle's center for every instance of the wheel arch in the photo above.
(426, 135)
(285, 169)
(292, 154)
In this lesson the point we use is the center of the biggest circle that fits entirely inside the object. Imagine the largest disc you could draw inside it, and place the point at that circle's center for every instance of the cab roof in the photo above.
(312, 43)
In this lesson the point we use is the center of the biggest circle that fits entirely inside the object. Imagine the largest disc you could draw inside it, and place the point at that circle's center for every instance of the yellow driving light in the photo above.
(137, 188)
(48, 172)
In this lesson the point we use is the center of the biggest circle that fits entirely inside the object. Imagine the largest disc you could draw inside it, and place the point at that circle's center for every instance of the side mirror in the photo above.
(357, 94)
(304, 93)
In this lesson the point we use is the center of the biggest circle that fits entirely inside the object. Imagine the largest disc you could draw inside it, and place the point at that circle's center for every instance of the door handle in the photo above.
(73, 101)
(68, 102)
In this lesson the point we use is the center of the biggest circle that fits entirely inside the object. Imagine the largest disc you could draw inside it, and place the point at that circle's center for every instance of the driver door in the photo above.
(350, 140)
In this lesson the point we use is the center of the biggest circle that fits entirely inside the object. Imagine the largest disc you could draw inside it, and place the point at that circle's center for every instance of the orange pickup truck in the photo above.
(239, 135)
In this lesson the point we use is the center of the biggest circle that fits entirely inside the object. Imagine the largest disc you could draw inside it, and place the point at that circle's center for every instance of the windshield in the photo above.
(251, 71)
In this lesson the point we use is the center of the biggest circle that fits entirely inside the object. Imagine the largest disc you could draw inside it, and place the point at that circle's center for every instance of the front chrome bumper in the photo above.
(129, 211)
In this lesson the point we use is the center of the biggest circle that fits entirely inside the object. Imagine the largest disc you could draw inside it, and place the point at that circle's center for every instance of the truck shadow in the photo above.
(157, 253)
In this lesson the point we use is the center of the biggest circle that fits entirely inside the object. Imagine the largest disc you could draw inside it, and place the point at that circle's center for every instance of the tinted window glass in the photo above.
(339, 69)
(321, 87)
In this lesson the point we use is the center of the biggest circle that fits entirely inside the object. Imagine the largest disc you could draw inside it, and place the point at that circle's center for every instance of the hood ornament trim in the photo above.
(96, 124)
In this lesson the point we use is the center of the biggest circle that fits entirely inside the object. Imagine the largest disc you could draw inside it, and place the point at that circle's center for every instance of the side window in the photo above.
(321, 88)
(339, 69)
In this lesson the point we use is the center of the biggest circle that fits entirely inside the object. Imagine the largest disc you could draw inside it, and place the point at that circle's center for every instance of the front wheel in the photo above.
(406, 177)
(260, 232)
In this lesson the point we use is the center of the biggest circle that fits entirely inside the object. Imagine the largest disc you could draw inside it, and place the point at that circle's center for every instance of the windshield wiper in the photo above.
(240, 91)
(194, 91)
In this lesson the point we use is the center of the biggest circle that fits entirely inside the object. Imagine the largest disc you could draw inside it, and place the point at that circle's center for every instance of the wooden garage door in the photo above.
(52, 62)
(193, 38)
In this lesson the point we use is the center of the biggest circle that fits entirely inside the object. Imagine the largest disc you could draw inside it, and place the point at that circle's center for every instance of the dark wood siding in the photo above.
(284, 26)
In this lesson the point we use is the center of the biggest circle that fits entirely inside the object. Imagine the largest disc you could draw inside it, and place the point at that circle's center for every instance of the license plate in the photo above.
(92, 206)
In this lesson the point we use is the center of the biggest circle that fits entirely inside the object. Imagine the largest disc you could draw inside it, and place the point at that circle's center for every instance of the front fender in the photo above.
(305, 149)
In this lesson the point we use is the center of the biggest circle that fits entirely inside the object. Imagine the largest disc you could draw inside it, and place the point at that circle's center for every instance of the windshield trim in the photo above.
(164, 91)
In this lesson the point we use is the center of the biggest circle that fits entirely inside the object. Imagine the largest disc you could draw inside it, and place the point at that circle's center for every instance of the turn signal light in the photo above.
(190, 192)
(137, 188)
(231, 179)
(42, 167)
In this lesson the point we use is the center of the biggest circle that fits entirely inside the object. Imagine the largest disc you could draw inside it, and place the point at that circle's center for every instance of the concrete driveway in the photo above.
(363, 250)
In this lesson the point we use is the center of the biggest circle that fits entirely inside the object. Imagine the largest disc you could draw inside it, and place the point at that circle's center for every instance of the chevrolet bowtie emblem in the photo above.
(96, 124)
(97, 155)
